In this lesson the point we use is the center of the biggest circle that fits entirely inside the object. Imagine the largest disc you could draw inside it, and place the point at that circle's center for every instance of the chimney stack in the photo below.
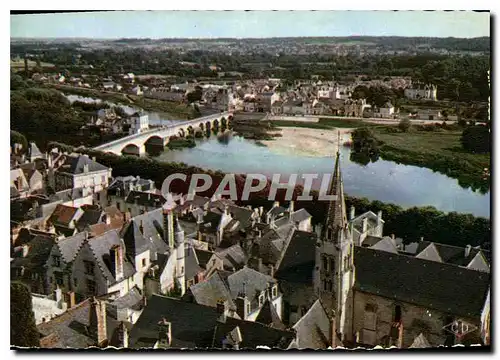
(467, 250)
(123, 335)
(379, 217)
(365, 225)
(164, 334)
(116, 255)
(58, 298)
(333, 332)
(222, 310)
(70, 299)
(352, 213)
(97, 321)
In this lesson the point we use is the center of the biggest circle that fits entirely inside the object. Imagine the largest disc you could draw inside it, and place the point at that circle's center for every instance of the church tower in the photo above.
(180, 251)
(334, 270)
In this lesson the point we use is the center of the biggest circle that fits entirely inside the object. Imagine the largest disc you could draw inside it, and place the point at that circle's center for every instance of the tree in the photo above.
(476, 139)
(364, 145)
(23, 331)
(404, 125)
(18, 138)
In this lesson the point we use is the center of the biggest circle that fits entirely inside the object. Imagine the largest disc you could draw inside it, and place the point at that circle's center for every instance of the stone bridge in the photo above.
(136, 143)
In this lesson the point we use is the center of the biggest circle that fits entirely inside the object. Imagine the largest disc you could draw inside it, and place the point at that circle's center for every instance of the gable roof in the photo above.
(420, 342)
(233, 257)
(192, 324)
(444, 287)
(298, 261)
(210, 291)
(385, 244)
(191, 263)
(100, 246)
(63, 214)
(268, 316)
(430, 253)
(68, 247)
(249, 282)
(76, 164)
(314, 328)
(203, 257)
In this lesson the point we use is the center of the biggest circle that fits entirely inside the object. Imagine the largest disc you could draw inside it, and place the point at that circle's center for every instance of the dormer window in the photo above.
(261, 300)
(274, 291)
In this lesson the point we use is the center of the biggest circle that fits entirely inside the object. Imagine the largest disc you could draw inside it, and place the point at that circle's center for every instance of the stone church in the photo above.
(380, 291)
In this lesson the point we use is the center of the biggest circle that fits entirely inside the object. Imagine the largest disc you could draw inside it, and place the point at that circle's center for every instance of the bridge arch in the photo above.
(155, 140)
(131, 149)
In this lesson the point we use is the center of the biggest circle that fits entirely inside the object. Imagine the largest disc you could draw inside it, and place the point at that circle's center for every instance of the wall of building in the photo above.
(415, 319)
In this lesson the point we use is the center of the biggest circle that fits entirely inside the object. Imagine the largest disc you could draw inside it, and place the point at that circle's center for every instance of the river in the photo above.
(382, 180)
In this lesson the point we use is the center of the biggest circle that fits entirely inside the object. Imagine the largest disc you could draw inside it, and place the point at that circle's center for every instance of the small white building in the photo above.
(422, 92)
(139, 123)
(387, 110)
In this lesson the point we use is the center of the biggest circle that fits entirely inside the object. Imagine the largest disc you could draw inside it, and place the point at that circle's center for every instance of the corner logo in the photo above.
(460, 328)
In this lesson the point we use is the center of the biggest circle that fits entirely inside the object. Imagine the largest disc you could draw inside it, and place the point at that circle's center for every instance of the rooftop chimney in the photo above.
(467, 250)
(97, 321)
(222, 309)
(164, 334)
(123, 335)
(116, 255)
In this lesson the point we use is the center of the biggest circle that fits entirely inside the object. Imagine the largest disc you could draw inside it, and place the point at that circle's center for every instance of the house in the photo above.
(46, 307)
(386, 111)
(139, 122)
(427, 114)
(108, 85)
(421, 92)
(171, 323)
(265, 100)
(79, 171)
(245, 292)
(250, 105)
(28, 263)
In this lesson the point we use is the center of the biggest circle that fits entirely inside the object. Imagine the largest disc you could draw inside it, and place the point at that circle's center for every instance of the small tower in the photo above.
(180, 256)
(168, 221)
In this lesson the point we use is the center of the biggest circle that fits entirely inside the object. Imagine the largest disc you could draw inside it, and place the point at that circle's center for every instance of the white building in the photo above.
(422, 92)
(139, 123)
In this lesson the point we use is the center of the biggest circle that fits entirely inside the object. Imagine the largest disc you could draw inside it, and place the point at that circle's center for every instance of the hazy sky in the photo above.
(164, 24)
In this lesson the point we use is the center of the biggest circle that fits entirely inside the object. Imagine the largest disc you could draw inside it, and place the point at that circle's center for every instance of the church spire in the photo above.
(336, 218)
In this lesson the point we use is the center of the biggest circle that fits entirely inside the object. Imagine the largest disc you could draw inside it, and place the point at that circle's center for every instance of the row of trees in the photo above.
(410, 224)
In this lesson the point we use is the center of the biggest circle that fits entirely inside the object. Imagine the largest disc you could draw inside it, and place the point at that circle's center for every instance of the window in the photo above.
(332, 266)
(261, 300)
(144, 262)
(56, 260)
(75, 281)
(118, 204)
(275, 291)
(324, 285)
(58, 277)
(91, 288)
(89, 267)
(325, 263)
(329, 286)
(370, 318)
(248, 308)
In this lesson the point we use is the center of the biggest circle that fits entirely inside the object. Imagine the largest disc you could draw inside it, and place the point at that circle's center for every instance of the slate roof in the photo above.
(197, 326)
(275, 211)
(453, 254)
(268, 316)
(420, 342)
(69, 246)
(145, 199)
(34, 150)
(300, 215)
(151, 236)
(314, 328)
(69, 330)
(38, 254)
(192, 324)
(100, 246)
(248, 281)
(75, 165)
(131, 300)
(233, 257)
(297, 264)
(253, 334)
(385, 244)
(434, 285)
(203, 257)
(191, 263)
(90, 216)
(211, 290)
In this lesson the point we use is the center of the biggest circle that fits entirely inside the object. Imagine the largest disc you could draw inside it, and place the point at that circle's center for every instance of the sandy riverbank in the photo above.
(308, 142)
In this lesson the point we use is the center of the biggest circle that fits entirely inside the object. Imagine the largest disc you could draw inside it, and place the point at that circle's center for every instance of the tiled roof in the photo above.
(63, 214)
(69, 246)
(248, 281)
(131, 300)
(234, 257)
(211, 290)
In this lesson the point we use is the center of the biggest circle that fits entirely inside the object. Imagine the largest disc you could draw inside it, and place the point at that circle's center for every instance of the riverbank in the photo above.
(308, 142)
(437, 150)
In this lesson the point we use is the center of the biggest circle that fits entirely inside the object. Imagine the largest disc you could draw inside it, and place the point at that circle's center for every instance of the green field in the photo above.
(438, 150)
(18, 65)
(323, 123)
